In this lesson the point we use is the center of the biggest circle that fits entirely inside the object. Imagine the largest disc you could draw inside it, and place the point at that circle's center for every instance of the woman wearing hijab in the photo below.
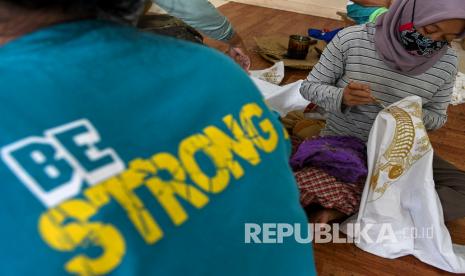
(404, 53)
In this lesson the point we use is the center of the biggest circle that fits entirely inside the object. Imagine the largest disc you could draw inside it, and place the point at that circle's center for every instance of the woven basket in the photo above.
(274, 49)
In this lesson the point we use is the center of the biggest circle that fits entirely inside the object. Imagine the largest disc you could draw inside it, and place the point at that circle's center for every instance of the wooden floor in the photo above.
(449, 142)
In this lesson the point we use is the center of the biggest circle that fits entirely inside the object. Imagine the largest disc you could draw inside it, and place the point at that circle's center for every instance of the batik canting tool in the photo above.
(378, 102)
(373, 98)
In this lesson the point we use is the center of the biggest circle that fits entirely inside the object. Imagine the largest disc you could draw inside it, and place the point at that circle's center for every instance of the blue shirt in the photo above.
(128, 153)
(360, 14)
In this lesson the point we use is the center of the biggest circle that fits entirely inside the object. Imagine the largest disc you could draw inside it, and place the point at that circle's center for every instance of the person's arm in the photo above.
(201, 15)
(319, 87)
(435, 111)
(204, 17)
(373, 3)
(238, 52)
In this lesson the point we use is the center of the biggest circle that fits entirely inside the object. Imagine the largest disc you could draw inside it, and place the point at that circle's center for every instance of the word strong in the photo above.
(55, 167)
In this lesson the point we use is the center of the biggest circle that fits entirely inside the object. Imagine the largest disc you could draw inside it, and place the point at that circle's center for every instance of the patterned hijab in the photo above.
(426, 12)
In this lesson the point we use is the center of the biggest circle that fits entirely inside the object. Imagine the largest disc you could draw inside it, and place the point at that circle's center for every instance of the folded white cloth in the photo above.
(282, 99)
(400, 209)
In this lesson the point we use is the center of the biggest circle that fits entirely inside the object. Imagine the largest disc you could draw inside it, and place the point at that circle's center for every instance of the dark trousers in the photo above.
(450, 185)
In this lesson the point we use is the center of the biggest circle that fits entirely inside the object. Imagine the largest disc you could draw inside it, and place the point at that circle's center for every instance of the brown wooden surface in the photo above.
(449, 142)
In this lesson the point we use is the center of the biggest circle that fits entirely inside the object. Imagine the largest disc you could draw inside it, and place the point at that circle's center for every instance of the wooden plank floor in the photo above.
(449, 142)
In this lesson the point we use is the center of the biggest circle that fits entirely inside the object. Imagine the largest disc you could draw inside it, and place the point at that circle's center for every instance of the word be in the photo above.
(54, 167)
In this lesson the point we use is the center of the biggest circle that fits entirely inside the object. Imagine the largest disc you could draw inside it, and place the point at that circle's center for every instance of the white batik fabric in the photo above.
(274, 74)
(282, 99)
(458, 94)
(400, 212)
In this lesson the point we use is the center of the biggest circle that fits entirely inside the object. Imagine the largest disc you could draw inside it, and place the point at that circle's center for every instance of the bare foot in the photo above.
(326, 216)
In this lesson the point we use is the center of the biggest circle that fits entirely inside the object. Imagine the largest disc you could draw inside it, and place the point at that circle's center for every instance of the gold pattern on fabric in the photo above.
(409, 144)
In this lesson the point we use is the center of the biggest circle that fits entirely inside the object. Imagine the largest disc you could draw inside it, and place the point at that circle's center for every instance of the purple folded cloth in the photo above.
(343, 157)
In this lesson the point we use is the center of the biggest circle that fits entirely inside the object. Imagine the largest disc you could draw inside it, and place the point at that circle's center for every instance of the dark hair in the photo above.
(113, 7)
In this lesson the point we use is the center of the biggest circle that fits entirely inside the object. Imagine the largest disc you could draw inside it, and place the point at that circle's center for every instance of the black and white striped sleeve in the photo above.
(319, 87)
(435, 111)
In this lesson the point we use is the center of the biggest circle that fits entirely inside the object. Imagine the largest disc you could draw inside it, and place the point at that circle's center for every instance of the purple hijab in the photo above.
(426, 12)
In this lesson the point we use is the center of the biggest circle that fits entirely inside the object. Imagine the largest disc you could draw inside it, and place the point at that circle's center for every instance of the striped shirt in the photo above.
(352, 56)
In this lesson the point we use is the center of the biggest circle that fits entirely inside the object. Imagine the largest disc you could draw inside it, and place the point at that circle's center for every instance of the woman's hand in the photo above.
(357, 94)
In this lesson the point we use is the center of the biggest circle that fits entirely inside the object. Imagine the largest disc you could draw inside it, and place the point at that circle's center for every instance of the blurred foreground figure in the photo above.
(117, 159)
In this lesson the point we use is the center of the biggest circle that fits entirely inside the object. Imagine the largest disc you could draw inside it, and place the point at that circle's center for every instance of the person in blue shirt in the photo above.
(364, 11)
(117, 159)
(199, 14)
(203, 16)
